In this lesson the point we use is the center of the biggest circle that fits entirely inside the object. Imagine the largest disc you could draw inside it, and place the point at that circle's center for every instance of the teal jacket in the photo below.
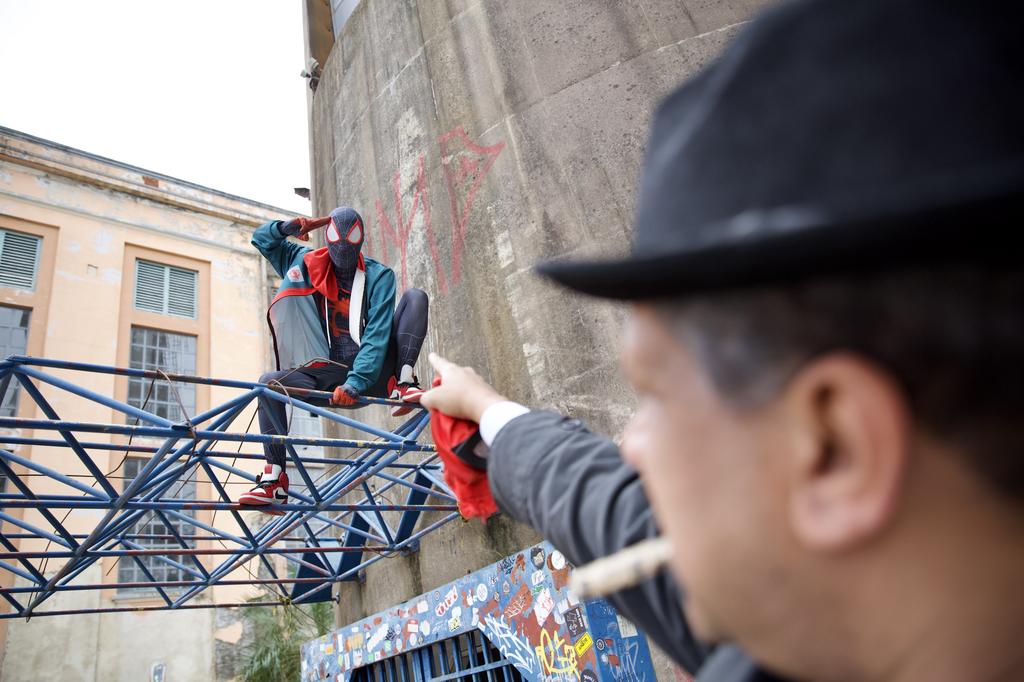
(298, 314)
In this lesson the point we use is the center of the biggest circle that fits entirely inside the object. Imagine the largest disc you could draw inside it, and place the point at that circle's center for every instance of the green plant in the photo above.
(278, 632)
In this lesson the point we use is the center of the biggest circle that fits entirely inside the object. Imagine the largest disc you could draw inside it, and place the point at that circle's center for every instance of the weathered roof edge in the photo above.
(49, 156)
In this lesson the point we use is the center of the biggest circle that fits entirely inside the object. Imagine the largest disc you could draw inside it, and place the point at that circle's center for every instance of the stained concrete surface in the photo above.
(478, 138)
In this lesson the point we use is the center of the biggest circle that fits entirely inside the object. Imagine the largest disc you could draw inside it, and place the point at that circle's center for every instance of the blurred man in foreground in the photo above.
(827, 342)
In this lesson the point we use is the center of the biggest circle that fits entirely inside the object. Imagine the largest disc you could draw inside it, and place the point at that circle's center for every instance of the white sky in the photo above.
(203, 90)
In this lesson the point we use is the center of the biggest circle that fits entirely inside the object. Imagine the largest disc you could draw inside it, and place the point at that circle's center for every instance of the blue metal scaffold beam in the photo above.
(334, 524)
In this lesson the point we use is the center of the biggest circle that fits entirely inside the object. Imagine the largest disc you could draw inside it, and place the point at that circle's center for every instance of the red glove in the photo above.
(345, 396)
(301, 227)
(454, 439)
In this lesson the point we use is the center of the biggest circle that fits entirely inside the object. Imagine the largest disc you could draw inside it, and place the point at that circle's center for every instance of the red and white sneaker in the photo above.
(271, 488)
(406, 392)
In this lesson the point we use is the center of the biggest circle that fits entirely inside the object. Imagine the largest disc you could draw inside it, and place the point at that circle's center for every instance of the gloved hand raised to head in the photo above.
(301, 226)
(345, 396)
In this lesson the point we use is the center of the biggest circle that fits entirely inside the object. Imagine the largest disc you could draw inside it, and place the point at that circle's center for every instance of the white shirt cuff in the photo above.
(496, 416)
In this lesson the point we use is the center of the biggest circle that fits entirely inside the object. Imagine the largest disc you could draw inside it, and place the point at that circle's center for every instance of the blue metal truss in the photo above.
(331, 528)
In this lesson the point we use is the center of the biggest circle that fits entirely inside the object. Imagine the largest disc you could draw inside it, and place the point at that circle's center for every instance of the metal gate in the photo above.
(470, 657)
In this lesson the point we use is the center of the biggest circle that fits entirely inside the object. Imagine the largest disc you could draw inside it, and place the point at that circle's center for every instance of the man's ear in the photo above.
(851, 446)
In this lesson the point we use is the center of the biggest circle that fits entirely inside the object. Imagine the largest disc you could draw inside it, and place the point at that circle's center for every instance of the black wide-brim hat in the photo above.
(832, 136)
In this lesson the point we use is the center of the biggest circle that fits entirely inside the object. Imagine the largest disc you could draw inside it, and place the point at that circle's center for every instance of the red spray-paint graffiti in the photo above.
(465, 165)
(399, 235)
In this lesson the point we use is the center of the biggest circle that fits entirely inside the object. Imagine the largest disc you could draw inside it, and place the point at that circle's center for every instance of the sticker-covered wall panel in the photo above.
(522, 604)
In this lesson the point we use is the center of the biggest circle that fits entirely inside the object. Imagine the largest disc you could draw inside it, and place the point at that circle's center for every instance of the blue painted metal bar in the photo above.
(84, 587)
(149, 575)
(311, 539)
(163, 472)
(155, 491)
(163, 559)
(235, 561)
(293, 455)
(139, 550)
(240, 401)
(380, 517)
(324, 515)
(124, 408)
(349, 528)
(329, 415)
(142, 449)
(68, 437)
(250, 477)
(22, 360)
(335, 490)
(345, 481)
(84, 565)
(48, 502)
(21, 574)
(48, 591)
(55, 475)
(286, 527)
(423, 486)
(37, 577)
(32, 498)
(208, 528)
(180, 432)
(11, 600)
(250, 538)
(404, 483)
(177, 536)
(36, 532)
(408, 521)
(345, 574)
(292, 521)
(438, 481)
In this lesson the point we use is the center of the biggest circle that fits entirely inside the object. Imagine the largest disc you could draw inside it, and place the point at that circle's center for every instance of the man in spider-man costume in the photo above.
(334, 327)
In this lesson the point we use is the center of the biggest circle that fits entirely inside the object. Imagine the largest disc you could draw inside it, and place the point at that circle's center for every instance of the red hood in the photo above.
(321, 272)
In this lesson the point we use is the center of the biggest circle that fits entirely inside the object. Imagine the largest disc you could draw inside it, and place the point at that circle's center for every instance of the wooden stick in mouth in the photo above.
(626, 568)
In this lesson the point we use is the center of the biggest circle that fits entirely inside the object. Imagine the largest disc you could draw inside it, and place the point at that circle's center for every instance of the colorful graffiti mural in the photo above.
(522, 604)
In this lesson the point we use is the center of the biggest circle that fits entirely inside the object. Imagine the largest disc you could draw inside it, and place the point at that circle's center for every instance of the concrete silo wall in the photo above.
(477, 138)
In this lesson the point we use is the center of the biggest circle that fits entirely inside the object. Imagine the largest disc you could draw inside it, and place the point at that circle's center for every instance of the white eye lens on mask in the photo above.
(332, 233)
(355, 235)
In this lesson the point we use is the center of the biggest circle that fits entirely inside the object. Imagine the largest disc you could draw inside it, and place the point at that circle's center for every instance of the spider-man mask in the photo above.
(344, 242)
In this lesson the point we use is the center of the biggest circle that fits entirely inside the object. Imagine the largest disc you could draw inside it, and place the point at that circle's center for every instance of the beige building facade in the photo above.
(106, 263)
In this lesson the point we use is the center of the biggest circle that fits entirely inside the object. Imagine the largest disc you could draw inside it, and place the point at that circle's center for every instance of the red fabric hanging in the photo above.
(472, 491)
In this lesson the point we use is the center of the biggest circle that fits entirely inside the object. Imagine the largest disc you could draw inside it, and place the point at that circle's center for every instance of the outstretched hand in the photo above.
(301, 226)
(462, 393)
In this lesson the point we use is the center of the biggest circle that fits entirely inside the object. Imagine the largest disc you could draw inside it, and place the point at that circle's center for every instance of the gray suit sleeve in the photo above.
(573, 487)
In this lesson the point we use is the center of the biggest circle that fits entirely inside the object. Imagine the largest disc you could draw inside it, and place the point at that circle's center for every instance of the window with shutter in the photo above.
(19, 259)
(166, 289)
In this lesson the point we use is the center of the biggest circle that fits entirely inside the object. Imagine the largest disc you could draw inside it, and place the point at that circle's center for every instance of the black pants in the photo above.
(408, 329)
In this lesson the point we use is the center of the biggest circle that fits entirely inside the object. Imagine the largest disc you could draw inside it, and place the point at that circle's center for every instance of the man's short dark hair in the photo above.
(953, 338)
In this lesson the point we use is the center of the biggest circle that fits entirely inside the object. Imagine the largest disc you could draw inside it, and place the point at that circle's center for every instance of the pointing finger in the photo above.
(440, 364)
